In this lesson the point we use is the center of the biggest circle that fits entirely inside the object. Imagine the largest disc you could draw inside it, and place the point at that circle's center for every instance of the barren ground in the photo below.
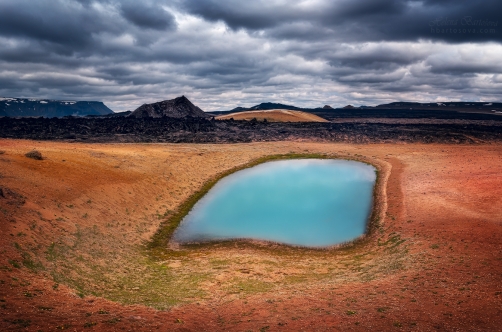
(274, 116)
(73, 229)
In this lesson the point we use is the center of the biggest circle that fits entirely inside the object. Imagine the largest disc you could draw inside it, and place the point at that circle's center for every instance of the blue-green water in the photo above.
(305, 202)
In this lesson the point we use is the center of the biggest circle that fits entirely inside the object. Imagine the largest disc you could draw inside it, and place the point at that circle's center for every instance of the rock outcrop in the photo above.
(179, 107)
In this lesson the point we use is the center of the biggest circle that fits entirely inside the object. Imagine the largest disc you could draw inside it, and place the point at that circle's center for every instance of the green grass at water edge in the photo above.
(158, 244)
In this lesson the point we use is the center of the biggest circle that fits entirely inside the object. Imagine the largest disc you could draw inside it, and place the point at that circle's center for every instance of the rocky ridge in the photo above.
(179, 107)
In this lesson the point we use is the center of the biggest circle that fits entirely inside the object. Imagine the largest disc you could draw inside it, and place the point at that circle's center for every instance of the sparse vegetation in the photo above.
(14, 263)
(21, 322)
(111, 261)
(90, 324)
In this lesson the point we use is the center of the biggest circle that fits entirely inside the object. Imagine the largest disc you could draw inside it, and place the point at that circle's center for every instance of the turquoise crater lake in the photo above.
(303, 202)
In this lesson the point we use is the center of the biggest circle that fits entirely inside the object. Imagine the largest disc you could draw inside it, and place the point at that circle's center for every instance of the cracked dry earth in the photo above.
(73, 229)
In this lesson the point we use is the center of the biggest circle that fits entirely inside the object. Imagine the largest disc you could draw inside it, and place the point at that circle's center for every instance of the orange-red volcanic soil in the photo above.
(74, 224)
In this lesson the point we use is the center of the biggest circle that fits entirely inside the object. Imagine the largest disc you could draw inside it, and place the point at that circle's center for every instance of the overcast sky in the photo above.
(228, 53)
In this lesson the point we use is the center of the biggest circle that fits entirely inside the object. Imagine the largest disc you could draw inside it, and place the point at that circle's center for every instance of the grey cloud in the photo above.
(253, 15)
(373, 77)
(454, 66)
(363, 20)
(148, 16)
(226, 53)
(32, 20)
(348, 10)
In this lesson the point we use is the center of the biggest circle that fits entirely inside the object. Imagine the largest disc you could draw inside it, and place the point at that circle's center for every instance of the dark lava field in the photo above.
(360, 126)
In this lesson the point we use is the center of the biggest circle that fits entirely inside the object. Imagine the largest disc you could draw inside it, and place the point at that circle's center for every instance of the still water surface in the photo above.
(305, 202)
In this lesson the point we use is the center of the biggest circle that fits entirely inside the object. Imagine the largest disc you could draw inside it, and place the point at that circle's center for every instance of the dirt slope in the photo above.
(274, 116)
(73, 226)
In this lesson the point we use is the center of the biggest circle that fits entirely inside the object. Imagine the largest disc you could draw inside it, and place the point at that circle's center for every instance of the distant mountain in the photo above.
(21, 107)
(179, 107)
(273, 106)
(237, 109)
(261, 107)
(112, 115)
(452, 105)
(328, 112)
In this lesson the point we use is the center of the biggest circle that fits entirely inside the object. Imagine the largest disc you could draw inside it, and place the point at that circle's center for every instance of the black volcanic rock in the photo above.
(112, 115)
(179, 107)
(327, 107)
(21, 107)
(202, 130)
(34, 155)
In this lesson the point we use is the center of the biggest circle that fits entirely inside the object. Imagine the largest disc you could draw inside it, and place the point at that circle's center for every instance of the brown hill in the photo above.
(276, 115)
(179, 107)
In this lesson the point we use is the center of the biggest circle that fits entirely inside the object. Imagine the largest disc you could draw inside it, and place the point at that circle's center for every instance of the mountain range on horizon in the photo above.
(450, 106)
(181, 107)
(30, 107)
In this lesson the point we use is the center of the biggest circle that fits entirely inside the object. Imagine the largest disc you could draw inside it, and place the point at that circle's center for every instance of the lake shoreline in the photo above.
(166, 231)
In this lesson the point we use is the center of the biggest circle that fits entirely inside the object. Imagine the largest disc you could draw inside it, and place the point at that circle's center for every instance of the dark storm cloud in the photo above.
(56, 22)
(228, 53)
(363, 20)
(150, 17)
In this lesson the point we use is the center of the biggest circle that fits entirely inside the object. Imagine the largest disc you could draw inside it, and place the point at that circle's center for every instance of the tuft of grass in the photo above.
(90, 324)
(250, 286)
(114, 320)
(42, 308)
(397, 324)
(51, 254)
(29, 263)
(21, 322)
(14, 263)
